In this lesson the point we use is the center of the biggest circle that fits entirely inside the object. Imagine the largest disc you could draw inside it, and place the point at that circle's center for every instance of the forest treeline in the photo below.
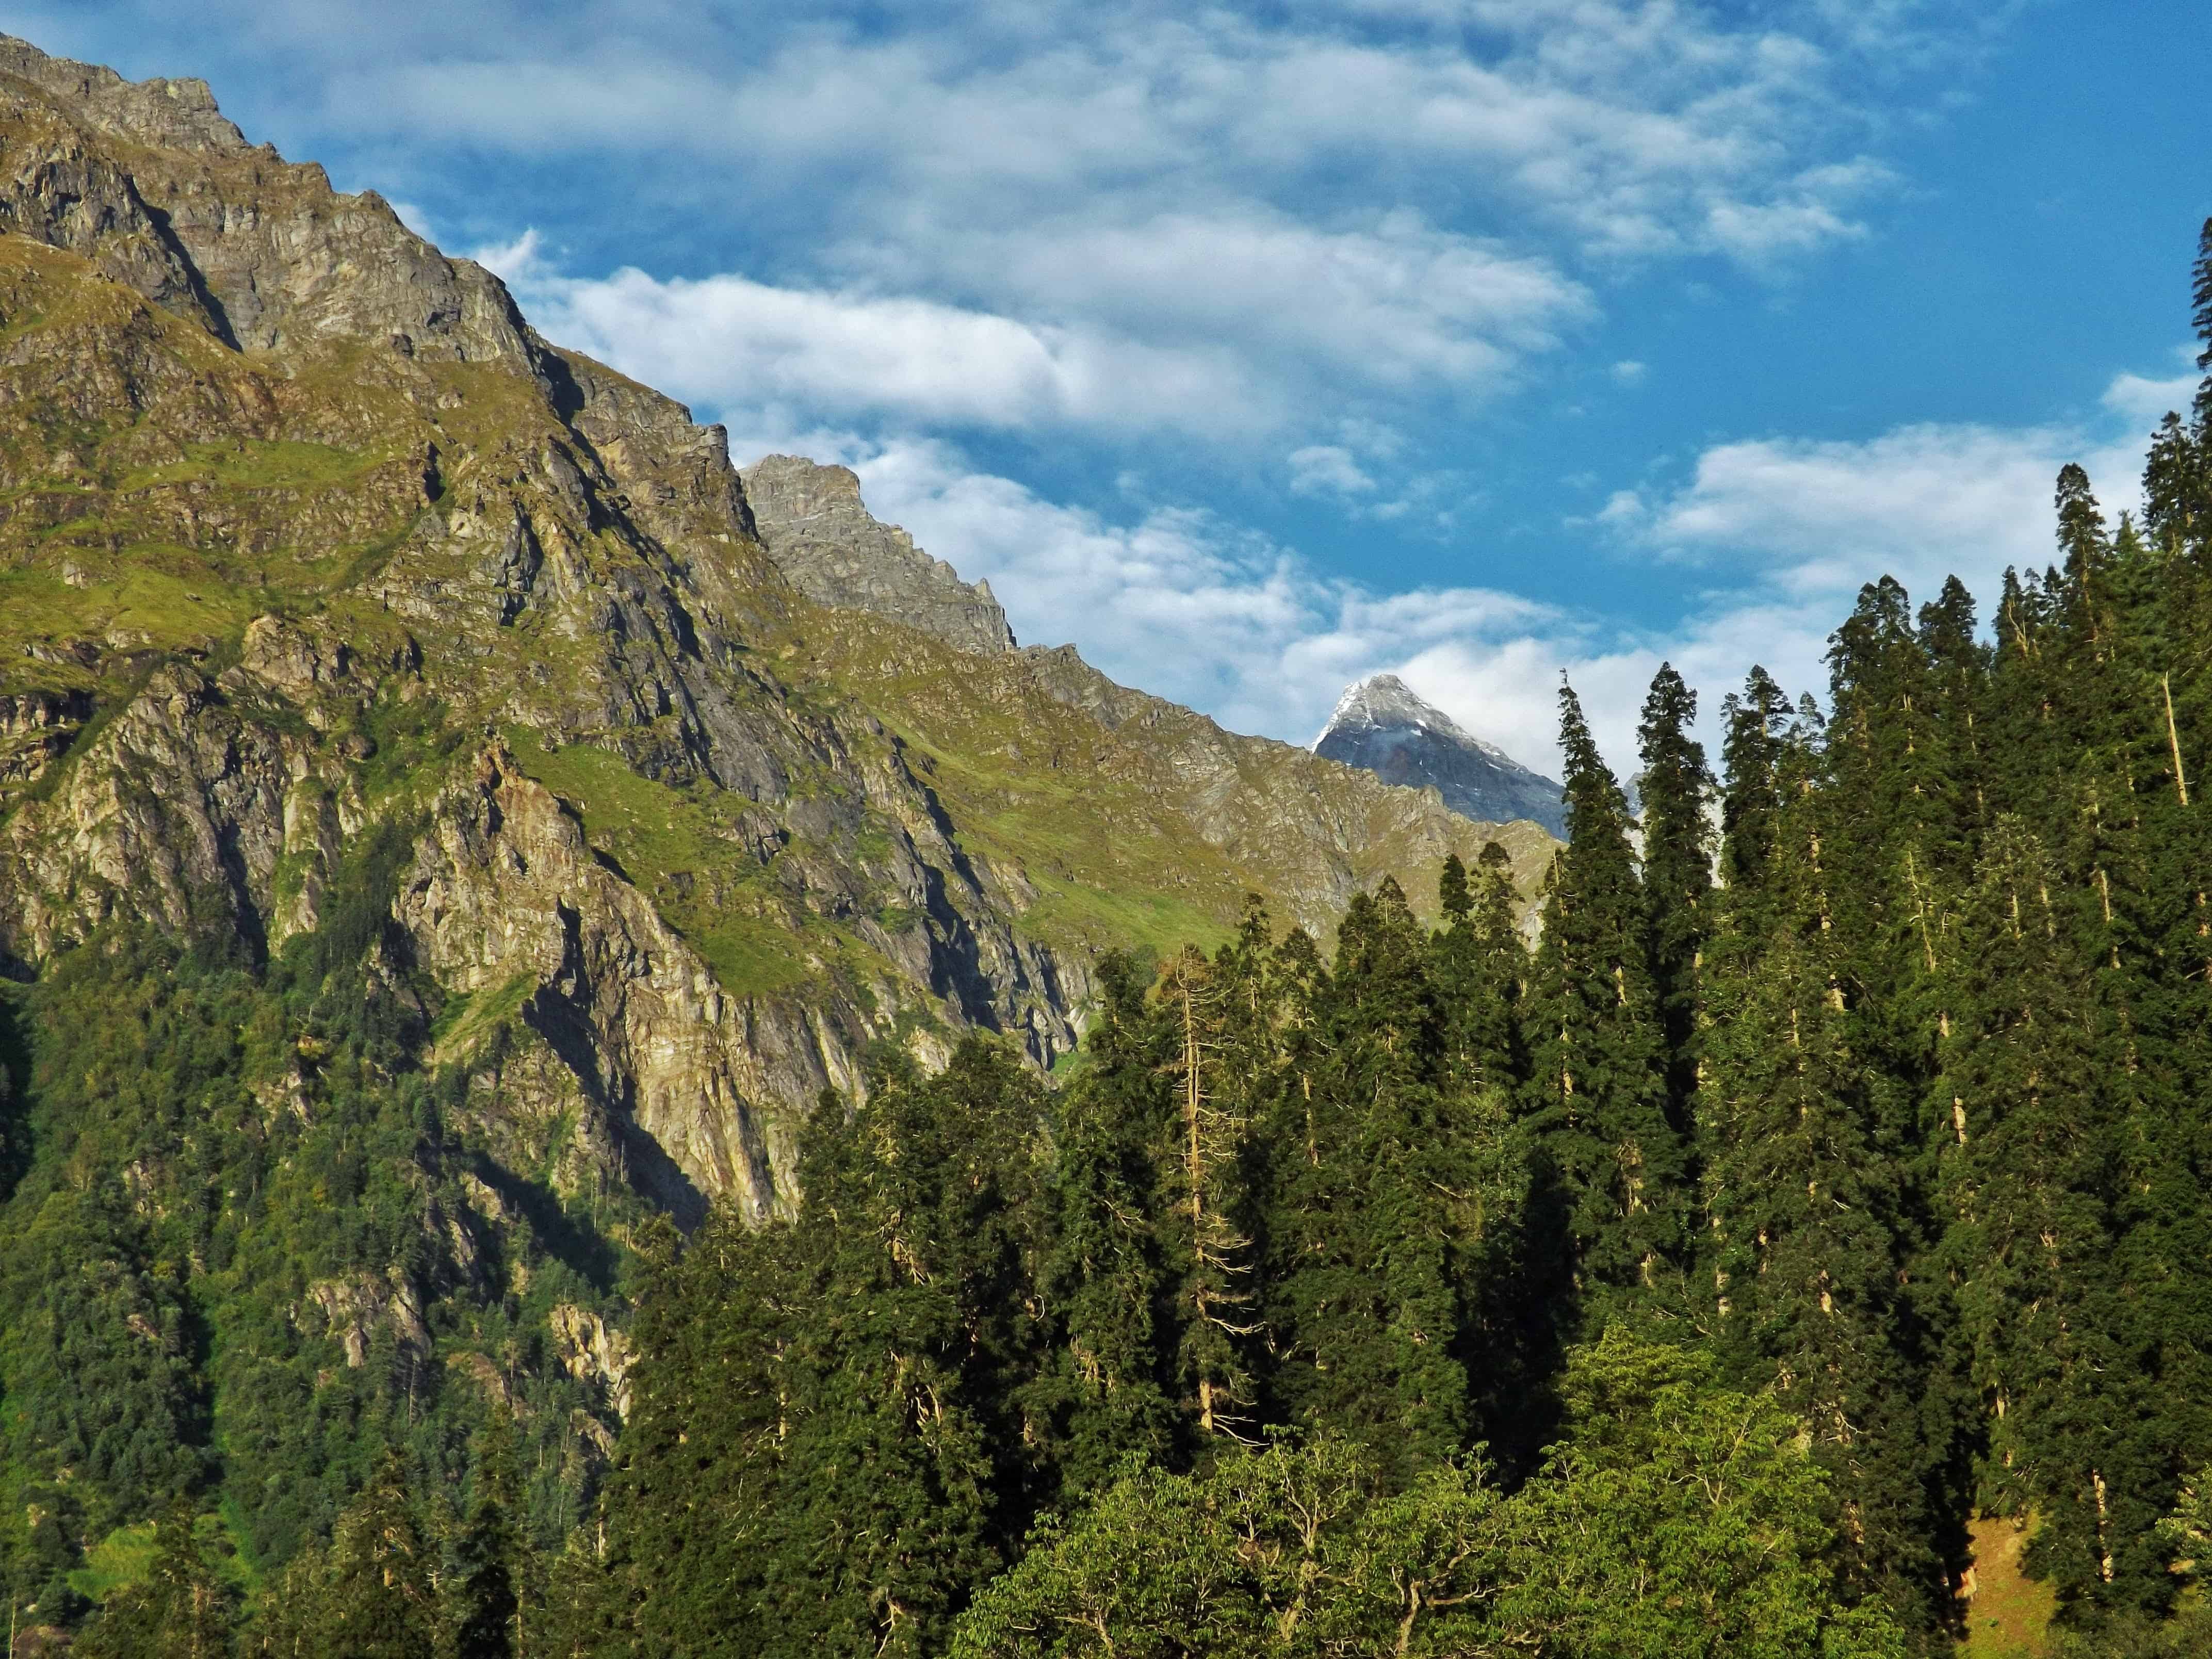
(1836, 1168)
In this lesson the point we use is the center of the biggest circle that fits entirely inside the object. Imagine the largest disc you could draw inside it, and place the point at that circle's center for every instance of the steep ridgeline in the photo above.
(436, 831)
(1382, 728)
(826, 545)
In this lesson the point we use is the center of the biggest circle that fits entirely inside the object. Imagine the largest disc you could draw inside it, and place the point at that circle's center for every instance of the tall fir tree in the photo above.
(489, 1582)
(675, 1563)
(1677, 874)
(376, 1596)
(1206, 1222)
(1107, 1276)
(910, 1464)
(1480, 970)
(1754, 725)
(1809, 1212)
(1597, 1089)
(1396, 1232)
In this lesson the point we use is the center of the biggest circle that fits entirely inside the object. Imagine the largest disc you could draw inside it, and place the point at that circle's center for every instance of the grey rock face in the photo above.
(828, 546)
(260, 250)
(1382, 728)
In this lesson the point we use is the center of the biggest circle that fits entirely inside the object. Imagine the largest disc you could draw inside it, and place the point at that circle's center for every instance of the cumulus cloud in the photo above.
(1191, 606)
(2144, 400)
(1129, 222)
(1223, 331)
(1235, 226)
(1183, 603)
(1052, 213)
(1634, 126)
(1813, 519)
(728, 341)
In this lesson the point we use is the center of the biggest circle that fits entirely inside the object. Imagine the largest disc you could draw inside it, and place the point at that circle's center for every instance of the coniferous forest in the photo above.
(1833, 1172)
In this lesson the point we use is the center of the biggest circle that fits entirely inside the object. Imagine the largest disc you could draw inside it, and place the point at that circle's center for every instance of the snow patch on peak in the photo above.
(1383, 726)
(1383, 700)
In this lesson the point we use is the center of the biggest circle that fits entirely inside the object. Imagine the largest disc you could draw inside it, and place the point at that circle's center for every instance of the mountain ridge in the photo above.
(326, 478)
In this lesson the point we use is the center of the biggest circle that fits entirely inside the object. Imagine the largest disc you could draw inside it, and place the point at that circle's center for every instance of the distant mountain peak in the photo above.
(1385, 700)
(1381, 725)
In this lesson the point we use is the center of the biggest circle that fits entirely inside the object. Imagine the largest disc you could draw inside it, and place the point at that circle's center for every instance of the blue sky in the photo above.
(1258, 347)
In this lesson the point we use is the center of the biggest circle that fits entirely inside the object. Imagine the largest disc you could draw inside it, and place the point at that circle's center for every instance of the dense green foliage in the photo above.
(1680, 1518)
(239, 1264)
(1837, 1167)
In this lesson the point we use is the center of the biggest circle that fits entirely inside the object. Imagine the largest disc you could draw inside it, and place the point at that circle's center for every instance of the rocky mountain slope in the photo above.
(691, 786)
(448, 813)
(1381, 727)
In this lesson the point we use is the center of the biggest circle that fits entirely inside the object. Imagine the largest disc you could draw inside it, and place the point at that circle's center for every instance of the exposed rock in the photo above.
(505, 889)
(356, 1307)
(592, 1352)
(832, 550)
(1382, 728)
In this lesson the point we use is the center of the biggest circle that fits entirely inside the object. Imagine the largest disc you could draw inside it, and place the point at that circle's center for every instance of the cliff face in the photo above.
(827, 545)
(1381, 727)
(307, 532)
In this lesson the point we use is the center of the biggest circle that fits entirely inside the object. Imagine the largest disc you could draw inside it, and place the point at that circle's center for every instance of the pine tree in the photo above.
(1893, 842)
(1394, 1238)
(1808, 1213)
(1480, 967)
(2086, 548)
(1677, 874)
(1108, 1277)
(489, 1580)
(910, 1462)
(1751, 755)
(378, 1598)
(1958, 672)
(674, 1563)
(1206, 1224)
(1597, 1090)
(2200, 298)
(2176, 487)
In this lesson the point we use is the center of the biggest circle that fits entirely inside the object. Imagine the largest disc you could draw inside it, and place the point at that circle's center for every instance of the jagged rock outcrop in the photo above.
(1381, 727)
(831, 549)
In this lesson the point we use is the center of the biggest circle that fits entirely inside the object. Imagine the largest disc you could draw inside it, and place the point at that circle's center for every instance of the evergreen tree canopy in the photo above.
(1598, 1083)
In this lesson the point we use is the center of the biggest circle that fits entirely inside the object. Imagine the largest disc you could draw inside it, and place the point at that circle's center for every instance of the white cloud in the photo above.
(1629, 372)
(1813, 520)
(1147, 216)
(1635, 126)
(1138, 219)
(1183, 603)
(2144, 400)
(1327, 469)
(728, 341)
(1230, 331)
